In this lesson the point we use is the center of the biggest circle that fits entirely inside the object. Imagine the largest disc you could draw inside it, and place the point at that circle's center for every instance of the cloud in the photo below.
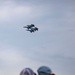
(11, 10)
(10, 56)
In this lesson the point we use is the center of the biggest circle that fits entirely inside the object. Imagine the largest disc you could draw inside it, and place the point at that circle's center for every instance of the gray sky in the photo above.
(53, 45)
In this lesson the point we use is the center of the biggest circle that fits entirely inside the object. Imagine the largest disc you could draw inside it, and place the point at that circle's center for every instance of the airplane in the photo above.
(29, 26)
(35, 28)
(30, 30)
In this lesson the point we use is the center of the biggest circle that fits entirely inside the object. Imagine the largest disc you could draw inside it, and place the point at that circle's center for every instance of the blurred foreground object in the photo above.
(27, 71)
(44, 70)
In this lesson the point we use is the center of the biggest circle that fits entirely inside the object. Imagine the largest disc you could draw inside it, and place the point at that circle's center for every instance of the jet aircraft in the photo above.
(31, 28)
(34, 29)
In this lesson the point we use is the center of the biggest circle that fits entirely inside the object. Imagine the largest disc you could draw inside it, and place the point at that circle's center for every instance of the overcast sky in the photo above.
(53, 45)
